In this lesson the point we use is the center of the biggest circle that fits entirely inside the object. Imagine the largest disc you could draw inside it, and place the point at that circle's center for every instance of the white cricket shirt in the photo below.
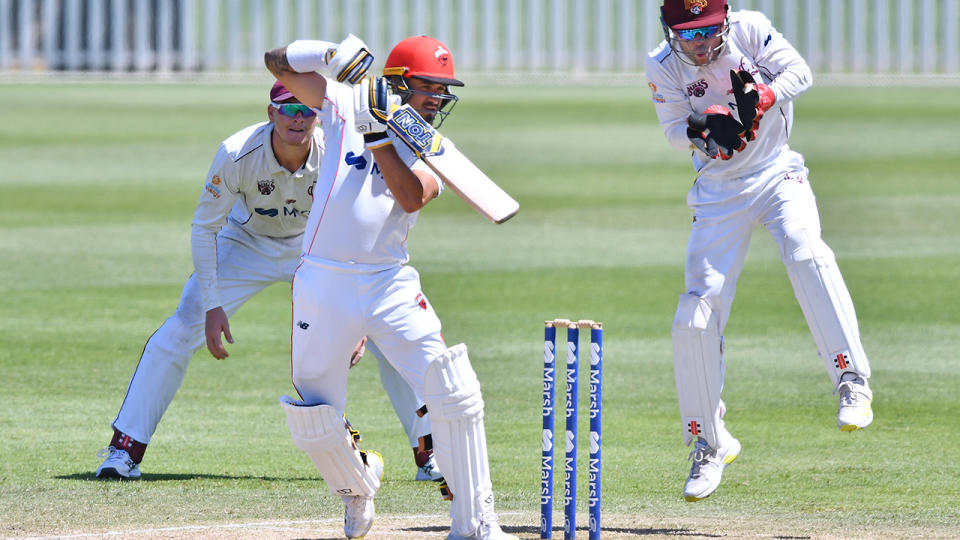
(679, 89)
(248, 189)
(355, 223)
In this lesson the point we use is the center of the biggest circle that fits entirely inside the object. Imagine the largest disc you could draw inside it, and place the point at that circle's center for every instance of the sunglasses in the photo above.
(690, 34)
(291, 109)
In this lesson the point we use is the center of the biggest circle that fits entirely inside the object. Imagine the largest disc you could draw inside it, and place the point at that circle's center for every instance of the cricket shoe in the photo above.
(488, 530)
(429, 472)
(854, 411)
(707, 468)
(358, 516)
(117, 464)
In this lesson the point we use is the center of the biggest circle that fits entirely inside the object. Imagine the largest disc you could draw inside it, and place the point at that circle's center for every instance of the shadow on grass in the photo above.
(619, 530)
(166, 477)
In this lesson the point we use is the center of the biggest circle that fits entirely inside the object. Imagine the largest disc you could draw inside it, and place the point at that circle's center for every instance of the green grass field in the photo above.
(99, 182)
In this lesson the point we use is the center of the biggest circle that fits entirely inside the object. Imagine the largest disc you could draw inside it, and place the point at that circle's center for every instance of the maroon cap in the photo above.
(280, 93)
(684, 14)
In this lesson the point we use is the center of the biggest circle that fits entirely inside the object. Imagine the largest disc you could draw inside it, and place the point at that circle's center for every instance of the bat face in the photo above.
(456, 171)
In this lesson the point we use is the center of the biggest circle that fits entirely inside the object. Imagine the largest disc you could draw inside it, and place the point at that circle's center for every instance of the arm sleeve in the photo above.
(670, 103)
(220, 192)
(419, 165)
(784, 69)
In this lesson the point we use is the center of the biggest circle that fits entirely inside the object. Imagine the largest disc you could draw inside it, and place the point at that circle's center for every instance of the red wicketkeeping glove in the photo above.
(753, 99)
(716, 132)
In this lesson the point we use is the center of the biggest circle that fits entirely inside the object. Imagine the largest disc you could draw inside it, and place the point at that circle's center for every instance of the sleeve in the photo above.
(669, 102)
(782, 66)
(419, 165)
(219, 194)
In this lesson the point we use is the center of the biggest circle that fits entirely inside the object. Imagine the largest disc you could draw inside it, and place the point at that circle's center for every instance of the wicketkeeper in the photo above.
(722, 86)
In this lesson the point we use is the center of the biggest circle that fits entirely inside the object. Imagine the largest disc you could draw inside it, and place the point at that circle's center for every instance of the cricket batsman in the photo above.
(723, 86)
(354, 279)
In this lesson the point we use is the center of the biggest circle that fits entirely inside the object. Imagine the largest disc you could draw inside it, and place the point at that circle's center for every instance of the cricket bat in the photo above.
(456, 171)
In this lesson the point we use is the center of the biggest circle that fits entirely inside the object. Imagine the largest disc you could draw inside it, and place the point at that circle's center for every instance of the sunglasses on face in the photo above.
(706, 32)
(291, 109)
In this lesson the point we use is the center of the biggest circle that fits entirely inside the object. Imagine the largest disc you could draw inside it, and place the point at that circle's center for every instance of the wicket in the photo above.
(570, 460)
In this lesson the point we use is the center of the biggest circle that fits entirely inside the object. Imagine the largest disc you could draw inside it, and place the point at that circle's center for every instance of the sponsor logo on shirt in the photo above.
(354, 160)
(287, 211)
(212, 190)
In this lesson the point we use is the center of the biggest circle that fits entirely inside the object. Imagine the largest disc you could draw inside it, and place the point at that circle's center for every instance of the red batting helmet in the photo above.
(423, 57)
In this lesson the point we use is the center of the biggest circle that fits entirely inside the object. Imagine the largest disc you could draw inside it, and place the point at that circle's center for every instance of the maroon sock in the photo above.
(125, 442)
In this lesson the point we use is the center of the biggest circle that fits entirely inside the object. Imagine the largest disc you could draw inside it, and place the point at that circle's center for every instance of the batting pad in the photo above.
(698, 369)
(452, 395)
(826, 304)
(322, 433)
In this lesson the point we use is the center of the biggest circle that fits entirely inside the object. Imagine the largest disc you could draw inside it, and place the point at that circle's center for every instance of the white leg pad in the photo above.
(452, 395)
(826, 304)
(698, 369)
(322, 433)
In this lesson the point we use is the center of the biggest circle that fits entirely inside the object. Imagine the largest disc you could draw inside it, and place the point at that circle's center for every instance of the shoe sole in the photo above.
(726, 461)
(110, 472)
(846, 428)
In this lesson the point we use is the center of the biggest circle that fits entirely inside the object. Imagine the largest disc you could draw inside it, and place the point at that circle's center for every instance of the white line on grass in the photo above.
(272, 525)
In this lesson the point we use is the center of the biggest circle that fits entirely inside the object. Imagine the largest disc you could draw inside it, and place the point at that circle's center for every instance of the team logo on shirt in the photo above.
(697, 89)
(695, 6)
(216, 180)
(421, 301)
(266, 187)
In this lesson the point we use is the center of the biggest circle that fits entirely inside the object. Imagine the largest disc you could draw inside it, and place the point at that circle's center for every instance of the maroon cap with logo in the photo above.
(280, 93)
(684, 14)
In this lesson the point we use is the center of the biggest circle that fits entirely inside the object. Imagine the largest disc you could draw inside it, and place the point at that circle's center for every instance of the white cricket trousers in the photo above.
(246, 265)
(334, 306)
(725, 214)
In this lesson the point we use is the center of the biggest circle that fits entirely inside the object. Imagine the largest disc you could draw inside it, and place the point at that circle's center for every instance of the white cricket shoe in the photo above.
(117, 464)
(358, 516)
(488, 530)
(429, 472)
(854, 411)
(707, 468)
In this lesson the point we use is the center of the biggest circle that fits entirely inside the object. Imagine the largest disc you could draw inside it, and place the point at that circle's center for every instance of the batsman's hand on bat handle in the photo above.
(753, 99)
(372, 105)
(346, 62)
(358, 351)
(216, 324)
(716, 132)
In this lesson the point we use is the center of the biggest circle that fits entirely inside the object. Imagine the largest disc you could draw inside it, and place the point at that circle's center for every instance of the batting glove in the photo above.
(716, 132)
(753, 99)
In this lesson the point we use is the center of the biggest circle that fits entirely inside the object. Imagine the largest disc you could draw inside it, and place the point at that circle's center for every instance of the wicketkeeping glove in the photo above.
(753, 99)
(716, 132)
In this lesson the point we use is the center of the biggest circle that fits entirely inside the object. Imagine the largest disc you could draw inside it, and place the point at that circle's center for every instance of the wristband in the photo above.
(372, 141)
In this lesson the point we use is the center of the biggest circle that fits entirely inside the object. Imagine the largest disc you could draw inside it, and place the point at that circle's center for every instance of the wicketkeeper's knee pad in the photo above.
(826, 304)
(326, 437)
(452, 395)
(698, 369)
